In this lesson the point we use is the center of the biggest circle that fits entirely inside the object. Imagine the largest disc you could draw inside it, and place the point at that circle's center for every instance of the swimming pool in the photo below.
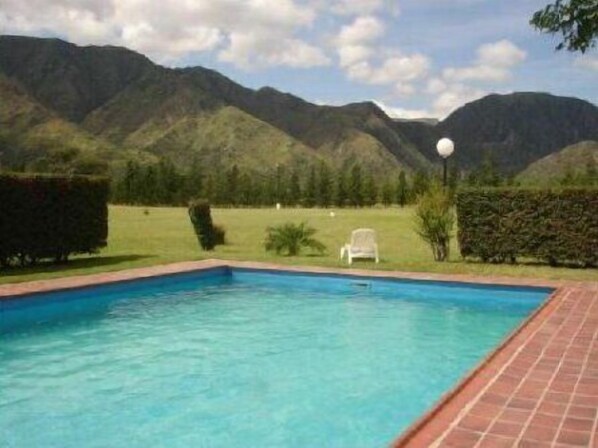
(234, 356)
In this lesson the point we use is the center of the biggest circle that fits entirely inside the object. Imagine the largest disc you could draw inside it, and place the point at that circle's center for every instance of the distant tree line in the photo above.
(317, 185)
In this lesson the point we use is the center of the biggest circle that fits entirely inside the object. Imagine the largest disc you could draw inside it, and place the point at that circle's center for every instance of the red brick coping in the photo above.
(539, 388)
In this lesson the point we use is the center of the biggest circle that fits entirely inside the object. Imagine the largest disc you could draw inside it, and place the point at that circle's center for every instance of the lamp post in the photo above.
(445, 148)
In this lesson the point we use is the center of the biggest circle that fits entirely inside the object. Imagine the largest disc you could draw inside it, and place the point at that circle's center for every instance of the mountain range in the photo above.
(89, 109)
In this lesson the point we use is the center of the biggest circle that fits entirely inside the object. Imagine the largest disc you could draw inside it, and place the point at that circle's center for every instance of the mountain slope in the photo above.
(34, 137)
(120, 95)
(116, 97)
(70, 80)
(551, 169)
(518, 128)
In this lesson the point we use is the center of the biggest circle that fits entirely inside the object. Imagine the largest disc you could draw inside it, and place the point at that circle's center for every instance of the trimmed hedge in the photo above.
(502, 224)
(51, 217)
(201, 218)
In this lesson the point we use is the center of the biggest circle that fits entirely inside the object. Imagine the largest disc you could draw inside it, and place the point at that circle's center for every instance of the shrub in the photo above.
(51, 217)
(201, 218)
(219, 234)
(502, 224)
(290, 238)
(434, 221)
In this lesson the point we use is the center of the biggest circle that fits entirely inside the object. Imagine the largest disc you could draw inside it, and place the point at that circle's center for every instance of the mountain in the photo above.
(61, 103)
(550, 170)
(514, 130)
(70, 80)
(121, 98)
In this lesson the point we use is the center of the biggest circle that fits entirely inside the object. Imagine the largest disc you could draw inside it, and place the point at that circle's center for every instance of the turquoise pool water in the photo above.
(245, 358)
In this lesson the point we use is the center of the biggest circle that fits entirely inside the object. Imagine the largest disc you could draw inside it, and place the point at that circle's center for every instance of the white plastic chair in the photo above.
(363, 245)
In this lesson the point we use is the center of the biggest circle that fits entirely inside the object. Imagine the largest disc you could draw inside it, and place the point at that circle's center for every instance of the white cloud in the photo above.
(367, 62)
(396, 70)
(356, 7)
(435, 86)
(454, 96)
(353, 54)
(363, 30)
(494, 63)
(247, 50)
(403, 89)
(169, 31)
(399, 112)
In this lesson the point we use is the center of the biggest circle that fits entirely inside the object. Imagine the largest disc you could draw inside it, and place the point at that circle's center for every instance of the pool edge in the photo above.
(411, 432)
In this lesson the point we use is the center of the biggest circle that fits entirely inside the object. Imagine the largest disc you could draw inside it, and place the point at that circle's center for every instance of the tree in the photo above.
(311, 188)
(149, 186)
(421, 183)
(231, 190)
(576, 20)
(247, 193)
(294, 193)
(370, 190)
(193, 184)
(402, 189)
(324, 196)
(453, 179)
(168, 183)
(341, 195)
(128, 186)
(434, 221)
(387, 193)
(487, 175)
(355, 187)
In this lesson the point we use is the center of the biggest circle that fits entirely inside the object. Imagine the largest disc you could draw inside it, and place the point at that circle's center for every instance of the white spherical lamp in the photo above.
(445, 147)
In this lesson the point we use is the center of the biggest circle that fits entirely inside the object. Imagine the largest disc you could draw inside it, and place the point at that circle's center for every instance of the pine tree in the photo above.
(355, 187)
(149, 184)
(128, 186)
(388, 192)
(209, 190)
(193, 184)
(311, 188)
(280, 187)
(246, 194)
(370, 190)
(294, 189)
(453, 180)
(168, 183)
(232, 186)
(488, 175)
(402, 189)
(421, 183)
(341, 195)
(325, 185)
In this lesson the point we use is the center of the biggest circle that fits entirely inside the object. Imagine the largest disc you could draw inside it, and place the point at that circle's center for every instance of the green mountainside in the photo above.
(78, 109)
(513, 130)
(574, 160)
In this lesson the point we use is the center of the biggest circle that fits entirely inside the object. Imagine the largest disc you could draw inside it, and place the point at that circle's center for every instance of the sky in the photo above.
(414, 58)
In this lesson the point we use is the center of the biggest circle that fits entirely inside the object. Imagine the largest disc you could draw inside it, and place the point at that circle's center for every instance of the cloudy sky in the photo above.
(414, 57)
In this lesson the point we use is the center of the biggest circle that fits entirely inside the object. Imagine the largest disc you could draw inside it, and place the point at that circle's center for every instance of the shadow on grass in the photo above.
(74, 264)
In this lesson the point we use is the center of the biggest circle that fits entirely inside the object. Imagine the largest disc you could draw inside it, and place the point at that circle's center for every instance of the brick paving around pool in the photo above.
(539, 388)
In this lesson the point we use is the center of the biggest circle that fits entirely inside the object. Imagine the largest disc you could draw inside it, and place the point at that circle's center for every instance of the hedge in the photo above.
(503, 224)
(201, 218)
(51, 217)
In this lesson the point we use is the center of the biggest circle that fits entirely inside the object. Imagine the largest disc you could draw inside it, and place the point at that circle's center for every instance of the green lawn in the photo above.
(165, 235)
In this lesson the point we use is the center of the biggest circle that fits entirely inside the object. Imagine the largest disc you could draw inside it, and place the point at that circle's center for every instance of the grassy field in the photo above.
(165, 235)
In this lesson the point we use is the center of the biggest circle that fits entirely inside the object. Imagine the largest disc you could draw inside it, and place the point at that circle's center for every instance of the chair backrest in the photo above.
(363, 238)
